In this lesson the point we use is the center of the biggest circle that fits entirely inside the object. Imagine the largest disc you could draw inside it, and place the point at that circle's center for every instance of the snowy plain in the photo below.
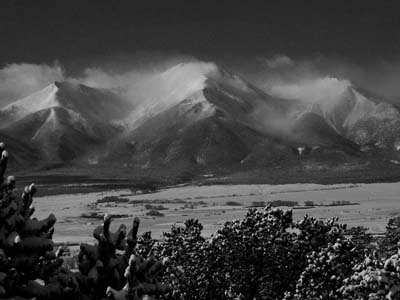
(376, 203)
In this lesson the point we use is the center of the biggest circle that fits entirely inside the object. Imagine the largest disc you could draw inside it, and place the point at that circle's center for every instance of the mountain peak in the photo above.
(68, 85)
(60, 84)
(74, 97)
(191, 69)
(41, 99)
(57, 83)
(199, 72)
(190, 77)
(186, 78)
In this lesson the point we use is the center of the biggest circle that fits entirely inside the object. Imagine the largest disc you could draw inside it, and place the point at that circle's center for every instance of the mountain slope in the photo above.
(65, 121)
(364, 120)
(21, 154)
(202, 119)
(221, 121)
(90, 103)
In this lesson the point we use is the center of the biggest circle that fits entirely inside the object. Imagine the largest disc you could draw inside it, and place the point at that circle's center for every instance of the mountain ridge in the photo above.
(204, 119)
(64, 120)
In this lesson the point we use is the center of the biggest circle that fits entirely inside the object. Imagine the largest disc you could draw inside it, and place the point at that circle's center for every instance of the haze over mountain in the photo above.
(64, 121)
(215, 119)
(204, 119)
(368, 121)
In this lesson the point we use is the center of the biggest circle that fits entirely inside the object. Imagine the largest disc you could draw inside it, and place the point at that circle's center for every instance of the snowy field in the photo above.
(377, 203)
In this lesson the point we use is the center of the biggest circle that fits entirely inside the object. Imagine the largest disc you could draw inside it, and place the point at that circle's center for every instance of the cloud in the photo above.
(277, 61)
(134, 76)
(312, 90)
(135, 85)
(319, 72)
(139, 84)
(137, 77)
(381, 77)
(18, 80)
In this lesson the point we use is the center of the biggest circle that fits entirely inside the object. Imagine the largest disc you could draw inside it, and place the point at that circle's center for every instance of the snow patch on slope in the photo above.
(350, 107)
(45, 98)
(187, 81)
(196, 107)
(49, 125)
(361, 108)
(181, 81)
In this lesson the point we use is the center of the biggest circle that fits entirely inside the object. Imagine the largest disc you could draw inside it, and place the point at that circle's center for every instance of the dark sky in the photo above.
(71, 31)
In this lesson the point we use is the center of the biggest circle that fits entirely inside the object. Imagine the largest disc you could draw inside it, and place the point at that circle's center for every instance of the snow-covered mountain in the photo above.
(89, 103)
(200, 117)
(212, 118)
(190, 82)
(368, 121)
(64, 121)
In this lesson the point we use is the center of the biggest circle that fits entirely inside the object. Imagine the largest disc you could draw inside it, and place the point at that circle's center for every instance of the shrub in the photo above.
(257, 247)
(154, 207)
(26, 247)
(341, 203)
(359, 236)
(389, 243)
(375, 278)
(104, 271)
(258, 204)
(31, 269)
(189, 270)
(326, 271)
(259, 257)
(115, 199)
(277, 203)
(154, 213)
(233, 203)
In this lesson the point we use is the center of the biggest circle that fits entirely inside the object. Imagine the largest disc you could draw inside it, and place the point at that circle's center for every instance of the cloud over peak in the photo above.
(277, 61)
(312, 90)
(18, 80)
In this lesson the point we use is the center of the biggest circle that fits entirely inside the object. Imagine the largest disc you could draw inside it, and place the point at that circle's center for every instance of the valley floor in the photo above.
(371, 205)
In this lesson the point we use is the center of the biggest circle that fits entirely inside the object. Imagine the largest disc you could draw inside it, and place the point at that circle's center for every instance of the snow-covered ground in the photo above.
(377, 203)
